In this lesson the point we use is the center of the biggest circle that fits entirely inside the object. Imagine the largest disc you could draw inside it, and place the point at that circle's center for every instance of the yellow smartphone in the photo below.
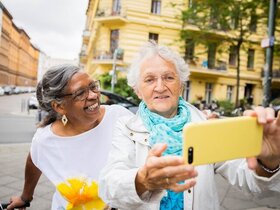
(221, 139)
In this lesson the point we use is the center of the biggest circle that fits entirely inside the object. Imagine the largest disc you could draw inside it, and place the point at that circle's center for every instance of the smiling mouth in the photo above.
(161, 97)
(92, 107)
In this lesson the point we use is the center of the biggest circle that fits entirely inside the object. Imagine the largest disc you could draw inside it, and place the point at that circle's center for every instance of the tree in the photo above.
(214, 22)
(121, 87)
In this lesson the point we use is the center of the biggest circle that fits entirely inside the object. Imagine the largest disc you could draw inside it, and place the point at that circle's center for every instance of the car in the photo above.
(33, 102)
(109, 98)
(8, 90)
(2, 92)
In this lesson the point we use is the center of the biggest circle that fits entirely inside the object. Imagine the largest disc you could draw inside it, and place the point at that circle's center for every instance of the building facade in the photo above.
(18, 56)
(125, 25)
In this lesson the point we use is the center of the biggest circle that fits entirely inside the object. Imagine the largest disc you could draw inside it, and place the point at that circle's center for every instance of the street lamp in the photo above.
(269, 54)
(117, 53)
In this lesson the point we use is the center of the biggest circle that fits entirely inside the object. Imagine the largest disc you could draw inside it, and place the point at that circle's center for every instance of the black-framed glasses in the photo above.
(83, 93)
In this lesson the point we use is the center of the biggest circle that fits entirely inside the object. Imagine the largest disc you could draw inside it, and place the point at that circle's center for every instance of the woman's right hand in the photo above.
(16, 202)
(164, 172)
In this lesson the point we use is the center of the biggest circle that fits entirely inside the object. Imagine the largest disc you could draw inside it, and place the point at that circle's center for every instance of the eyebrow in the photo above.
(164, 73)
(84, 87)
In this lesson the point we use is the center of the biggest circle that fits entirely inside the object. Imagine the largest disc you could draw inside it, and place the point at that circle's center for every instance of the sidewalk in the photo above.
(12, 162)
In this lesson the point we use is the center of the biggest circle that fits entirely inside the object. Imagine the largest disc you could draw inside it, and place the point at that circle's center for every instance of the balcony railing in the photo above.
(109, 12)
(106, 56)
(219, 65)
(275, 73)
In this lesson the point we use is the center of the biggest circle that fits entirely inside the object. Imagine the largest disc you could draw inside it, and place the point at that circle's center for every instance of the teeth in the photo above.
(92, 107)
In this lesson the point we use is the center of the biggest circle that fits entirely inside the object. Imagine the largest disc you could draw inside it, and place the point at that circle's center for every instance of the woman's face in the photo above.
(81, 111)
(159, 86)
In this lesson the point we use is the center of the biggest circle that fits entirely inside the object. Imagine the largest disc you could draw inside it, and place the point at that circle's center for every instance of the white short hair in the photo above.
(149, 50)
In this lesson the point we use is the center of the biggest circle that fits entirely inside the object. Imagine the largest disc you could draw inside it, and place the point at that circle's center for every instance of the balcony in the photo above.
(107, 58)
(275, 75)
(86, 36)
(111, 17)
(202, 68)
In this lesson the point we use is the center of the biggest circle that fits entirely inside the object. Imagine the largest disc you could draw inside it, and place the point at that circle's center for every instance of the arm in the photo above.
(269, 159)
(32, 175)
(126, 177)
(116, 180)
(258, 182)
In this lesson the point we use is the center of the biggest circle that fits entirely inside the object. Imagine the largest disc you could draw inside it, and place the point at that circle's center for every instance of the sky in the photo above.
(54, 26)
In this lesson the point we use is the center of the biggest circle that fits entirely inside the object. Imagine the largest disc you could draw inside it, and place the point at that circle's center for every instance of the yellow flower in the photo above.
(80, 195)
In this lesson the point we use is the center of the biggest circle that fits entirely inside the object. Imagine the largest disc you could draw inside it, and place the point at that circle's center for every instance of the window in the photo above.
(156, 6)
(189, 52)
(232, 55)
(116, 7)
(253, 23)
(212, 47)
(114, 40)
(208, 92)
(153, 36)
(229, 92)
(250, 59)
(187, 91)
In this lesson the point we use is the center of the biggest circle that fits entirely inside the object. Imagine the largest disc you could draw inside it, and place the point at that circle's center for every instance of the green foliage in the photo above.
(226, 107)
(120, 88)
(212, 16)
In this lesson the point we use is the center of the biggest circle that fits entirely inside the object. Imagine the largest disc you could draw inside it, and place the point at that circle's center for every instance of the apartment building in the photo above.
(125, 25)
(18, 56)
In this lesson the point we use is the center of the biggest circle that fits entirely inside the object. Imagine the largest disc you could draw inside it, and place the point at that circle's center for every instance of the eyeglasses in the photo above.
(166, 79)
(82, 94)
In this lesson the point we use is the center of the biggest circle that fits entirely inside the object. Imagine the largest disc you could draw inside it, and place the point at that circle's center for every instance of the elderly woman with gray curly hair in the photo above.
(146, 169)
(72, 143)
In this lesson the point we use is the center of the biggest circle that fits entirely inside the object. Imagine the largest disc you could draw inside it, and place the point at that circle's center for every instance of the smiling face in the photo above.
(85, 111)
(159, 86)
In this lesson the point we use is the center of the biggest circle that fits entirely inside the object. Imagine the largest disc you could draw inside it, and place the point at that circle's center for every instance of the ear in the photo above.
(59, 108)
(137, 93)
(181, 88)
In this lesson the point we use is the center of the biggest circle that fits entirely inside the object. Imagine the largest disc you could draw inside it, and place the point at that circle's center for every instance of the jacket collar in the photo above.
(136, 124)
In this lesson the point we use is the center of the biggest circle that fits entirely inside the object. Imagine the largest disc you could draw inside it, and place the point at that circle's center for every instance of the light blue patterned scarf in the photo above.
(169, 131)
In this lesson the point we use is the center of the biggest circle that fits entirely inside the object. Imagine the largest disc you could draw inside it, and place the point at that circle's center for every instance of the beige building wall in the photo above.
(18, 57)
(135, 21)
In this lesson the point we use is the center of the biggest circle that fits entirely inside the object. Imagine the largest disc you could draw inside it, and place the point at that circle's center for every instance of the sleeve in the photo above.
(34, 149)
(261, 189)
(117, 179)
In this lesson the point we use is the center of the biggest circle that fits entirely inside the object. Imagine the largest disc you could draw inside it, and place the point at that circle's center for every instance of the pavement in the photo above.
(12, 162)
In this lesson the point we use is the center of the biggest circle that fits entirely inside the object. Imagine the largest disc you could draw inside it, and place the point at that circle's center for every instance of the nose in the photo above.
(160, 85)
(92, 94)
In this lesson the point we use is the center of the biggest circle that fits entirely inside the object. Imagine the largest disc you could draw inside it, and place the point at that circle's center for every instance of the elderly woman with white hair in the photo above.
(145, 168)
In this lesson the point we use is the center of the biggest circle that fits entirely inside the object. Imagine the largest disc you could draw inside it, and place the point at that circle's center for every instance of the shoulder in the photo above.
(117, 110)
(132, 123)
(196, 114)
(41, 133)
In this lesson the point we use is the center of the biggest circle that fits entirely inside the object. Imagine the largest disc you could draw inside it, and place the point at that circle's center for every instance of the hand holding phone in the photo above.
(220, 140)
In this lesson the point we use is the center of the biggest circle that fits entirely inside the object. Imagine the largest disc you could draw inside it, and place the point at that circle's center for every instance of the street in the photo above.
(17, 127)
(16, 124)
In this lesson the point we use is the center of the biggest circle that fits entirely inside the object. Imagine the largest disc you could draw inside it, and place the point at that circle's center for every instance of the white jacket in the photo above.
(129, 152)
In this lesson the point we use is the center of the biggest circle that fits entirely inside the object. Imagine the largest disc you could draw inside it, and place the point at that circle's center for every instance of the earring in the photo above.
(64, 120)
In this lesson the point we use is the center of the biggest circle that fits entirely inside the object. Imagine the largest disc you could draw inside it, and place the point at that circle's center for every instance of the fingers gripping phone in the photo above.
(222, 139)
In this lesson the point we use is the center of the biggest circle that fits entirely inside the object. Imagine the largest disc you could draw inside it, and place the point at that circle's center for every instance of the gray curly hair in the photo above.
(51, 86)
(151, 49)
